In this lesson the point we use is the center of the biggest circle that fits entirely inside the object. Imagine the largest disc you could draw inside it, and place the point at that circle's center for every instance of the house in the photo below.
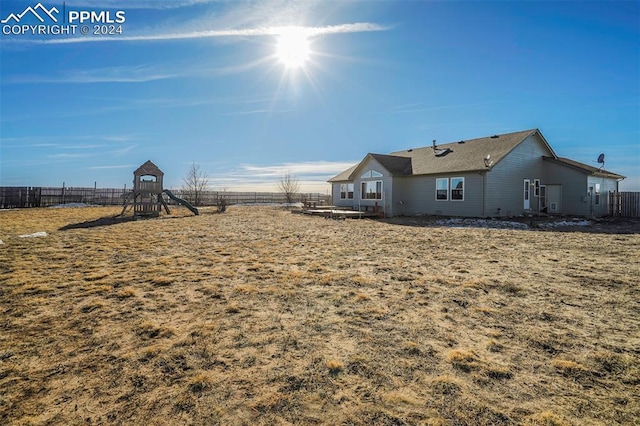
(501, 175)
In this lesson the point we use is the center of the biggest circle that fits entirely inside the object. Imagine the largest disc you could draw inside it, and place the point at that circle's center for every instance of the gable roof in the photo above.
(590, 170)
(344, 176)
(453, 157)
(148, 169)
(465, 156)
(396, 165)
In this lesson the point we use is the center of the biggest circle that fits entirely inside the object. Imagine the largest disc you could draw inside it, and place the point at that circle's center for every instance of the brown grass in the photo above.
(258, 316)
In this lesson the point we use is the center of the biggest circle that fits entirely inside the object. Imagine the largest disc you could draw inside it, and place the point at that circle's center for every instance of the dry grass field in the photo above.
(259, 316)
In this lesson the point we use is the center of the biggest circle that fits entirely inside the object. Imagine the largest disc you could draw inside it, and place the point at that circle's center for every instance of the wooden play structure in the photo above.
(147, 196)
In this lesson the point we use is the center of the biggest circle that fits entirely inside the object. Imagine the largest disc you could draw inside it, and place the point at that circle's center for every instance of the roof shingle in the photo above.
(453, 157)
(585, 167)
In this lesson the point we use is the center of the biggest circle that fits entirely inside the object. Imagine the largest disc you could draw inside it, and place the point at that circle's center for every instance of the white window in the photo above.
(346, 191)
(457, 188)
(597, 194)
(371, 190)
(536, 187)
(371, 174)
(442, 189)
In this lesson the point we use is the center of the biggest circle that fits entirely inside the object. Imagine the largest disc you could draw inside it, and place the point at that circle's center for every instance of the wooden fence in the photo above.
(624, 204)
(25, 197)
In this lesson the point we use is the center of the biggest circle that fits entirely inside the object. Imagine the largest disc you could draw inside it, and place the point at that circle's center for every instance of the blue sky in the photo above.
(198, 81)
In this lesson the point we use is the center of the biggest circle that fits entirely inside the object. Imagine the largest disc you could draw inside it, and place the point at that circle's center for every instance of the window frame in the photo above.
(451, 188)
(347, 195)
(446, 189)
(363, 192)
(371, 174)
(596, 192)
(536, 187)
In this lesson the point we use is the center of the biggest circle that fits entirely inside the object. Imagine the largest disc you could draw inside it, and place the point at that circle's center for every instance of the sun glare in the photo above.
(293, 49)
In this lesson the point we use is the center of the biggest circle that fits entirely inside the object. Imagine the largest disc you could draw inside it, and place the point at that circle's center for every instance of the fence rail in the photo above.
(26, 197)
(624, 204)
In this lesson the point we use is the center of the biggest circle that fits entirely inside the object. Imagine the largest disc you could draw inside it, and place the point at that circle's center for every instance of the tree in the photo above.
(195, 183)
(289, 186)
(222, 200)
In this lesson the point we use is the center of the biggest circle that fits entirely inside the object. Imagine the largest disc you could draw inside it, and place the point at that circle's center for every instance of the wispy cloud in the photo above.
(356, 27)
(258, 111)
(66, 155)
(118, 166)
(63, 142)
(315, 168)
(312, 176)
(138, 4)
(118, 74)
(124, 151)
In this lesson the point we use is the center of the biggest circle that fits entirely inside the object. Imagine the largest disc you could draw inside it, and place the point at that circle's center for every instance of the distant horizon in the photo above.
(272, 176)
(253, 89)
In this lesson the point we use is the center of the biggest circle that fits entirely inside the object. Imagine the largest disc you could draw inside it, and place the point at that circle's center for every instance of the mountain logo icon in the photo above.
(34, 11)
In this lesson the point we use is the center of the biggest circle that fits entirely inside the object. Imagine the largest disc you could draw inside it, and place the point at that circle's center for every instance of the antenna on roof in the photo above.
(488, 162)
(601, 160)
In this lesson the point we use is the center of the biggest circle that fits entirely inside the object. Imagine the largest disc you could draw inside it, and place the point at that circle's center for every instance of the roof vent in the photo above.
(441, 152)
(461, 142)
(410, 149)
(495, 137)
(434, 145)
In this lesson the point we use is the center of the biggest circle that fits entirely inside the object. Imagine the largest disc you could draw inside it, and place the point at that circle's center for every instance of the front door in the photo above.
(527, 194)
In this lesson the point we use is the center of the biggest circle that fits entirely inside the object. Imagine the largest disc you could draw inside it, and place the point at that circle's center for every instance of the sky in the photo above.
(252, 90)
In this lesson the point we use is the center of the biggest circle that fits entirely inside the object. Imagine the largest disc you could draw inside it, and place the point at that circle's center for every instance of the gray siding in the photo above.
(418, 196)
(386, 203)
(606, 185)
(335, 196)
(505, 181)
(497, 191)
(574, 187)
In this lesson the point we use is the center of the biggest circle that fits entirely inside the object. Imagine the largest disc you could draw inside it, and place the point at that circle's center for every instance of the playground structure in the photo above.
(147, 196)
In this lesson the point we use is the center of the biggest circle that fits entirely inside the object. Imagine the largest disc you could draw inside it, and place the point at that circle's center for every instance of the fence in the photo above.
(25, 197)
(212, 198)
(624, 204)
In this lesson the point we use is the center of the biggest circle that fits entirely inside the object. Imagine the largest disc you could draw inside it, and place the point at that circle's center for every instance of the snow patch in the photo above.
(481, 223)
(565, 223)
(34, 235)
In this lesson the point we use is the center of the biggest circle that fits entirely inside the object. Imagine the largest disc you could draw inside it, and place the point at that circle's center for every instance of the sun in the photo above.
(293, 49)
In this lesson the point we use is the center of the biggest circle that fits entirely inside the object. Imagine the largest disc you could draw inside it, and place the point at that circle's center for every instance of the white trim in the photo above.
(372, 182)
(542, 198)
(446, 189)
(371, 174)
(346, 197)
(526, 194)
(452, 189)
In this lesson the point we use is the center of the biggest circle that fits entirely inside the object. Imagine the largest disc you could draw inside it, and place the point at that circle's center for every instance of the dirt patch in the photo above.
(258, 316)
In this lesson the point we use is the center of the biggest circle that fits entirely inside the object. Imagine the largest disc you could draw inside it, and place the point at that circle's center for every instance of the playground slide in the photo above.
(181, 201)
